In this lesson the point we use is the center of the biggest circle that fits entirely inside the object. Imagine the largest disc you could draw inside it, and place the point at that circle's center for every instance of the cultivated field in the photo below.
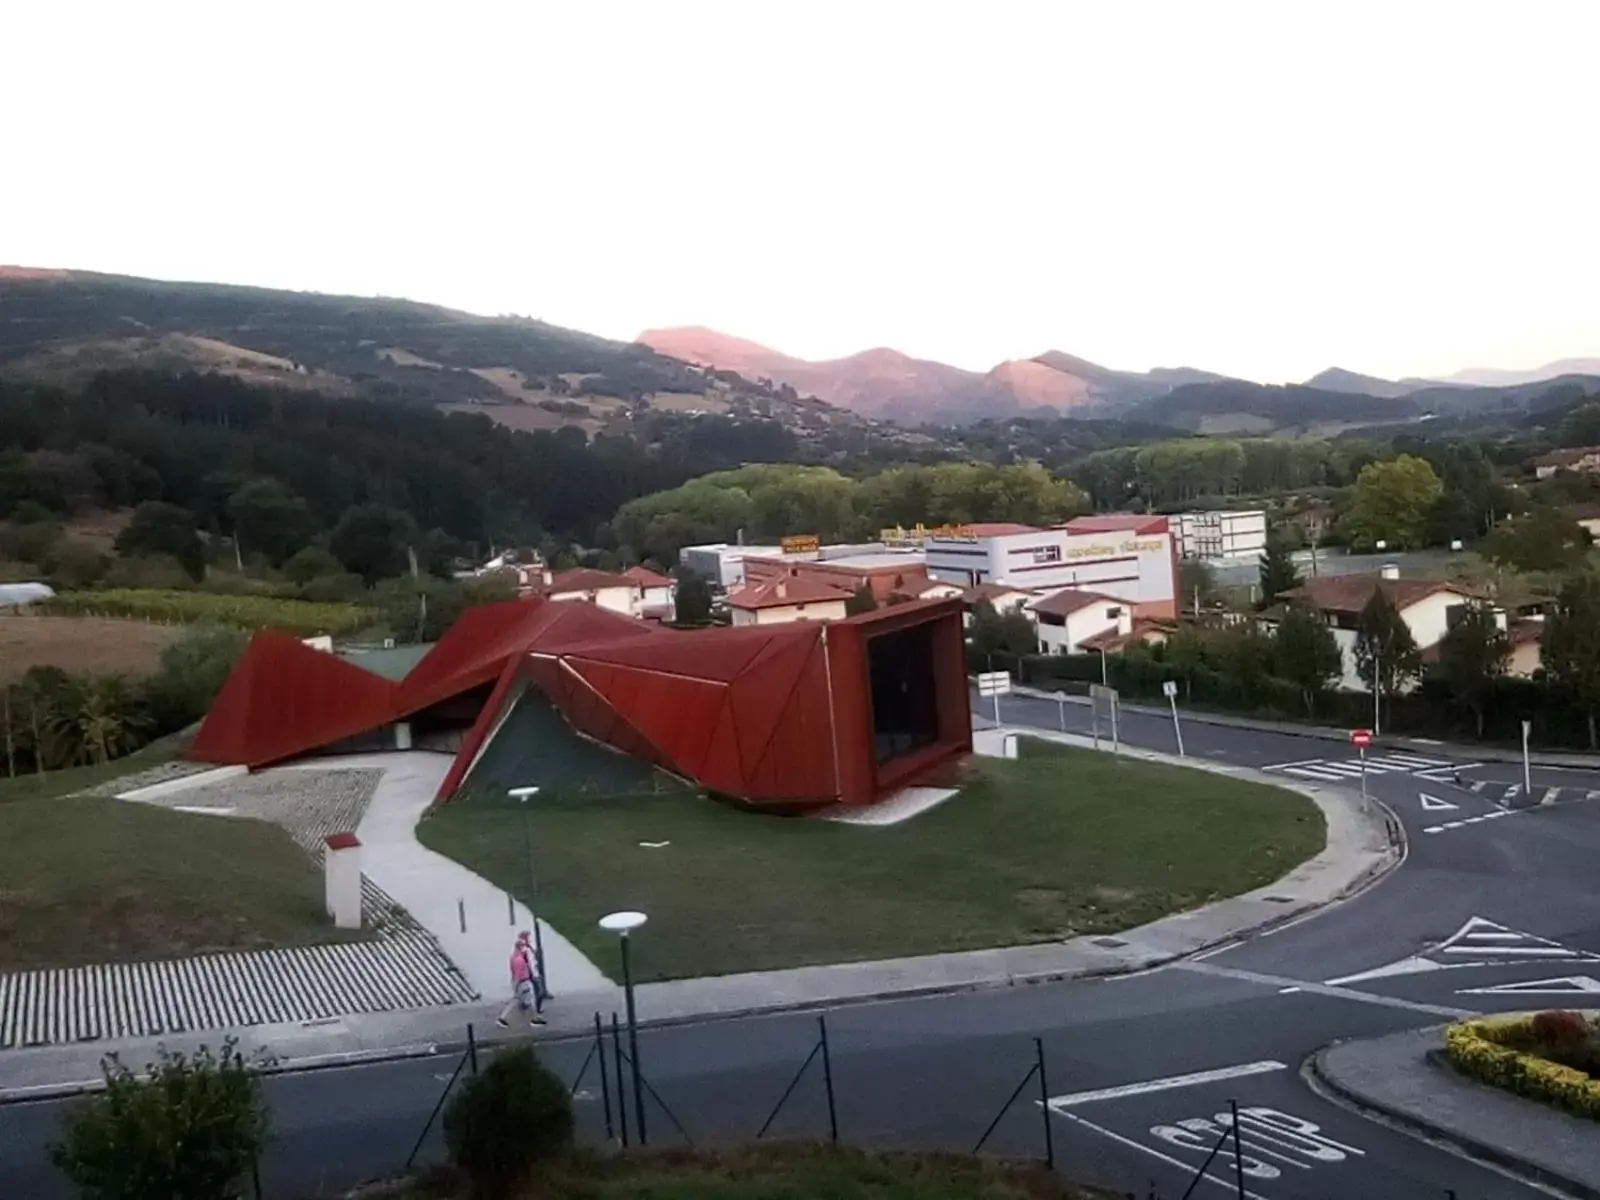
(99, 645)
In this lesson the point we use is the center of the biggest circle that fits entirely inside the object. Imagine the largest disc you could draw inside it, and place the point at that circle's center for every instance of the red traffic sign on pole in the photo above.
(1361, 738)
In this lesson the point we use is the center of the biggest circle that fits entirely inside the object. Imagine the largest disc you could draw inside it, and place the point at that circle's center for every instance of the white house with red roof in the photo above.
(1131, 557)
(787, 598)
(600, 588)
(655, 590)
(1069, 618)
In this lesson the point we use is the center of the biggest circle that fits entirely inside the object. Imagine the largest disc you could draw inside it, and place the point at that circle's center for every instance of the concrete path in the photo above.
(1359, 850)
(475, 922)
(1396, 1077)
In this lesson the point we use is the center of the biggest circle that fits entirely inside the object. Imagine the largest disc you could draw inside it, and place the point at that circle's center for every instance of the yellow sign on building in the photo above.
(801, 543)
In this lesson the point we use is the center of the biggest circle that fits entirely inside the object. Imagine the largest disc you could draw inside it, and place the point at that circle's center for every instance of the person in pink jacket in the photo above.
(526, 992)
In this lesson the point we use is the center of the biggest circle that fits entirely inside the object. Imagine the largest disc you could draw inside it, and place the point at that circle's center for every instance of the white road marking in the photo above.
(1311, 773)
(1571, 985)
(1492, 944)
(1144, 1087)
(1550, 795)
(1433, 803)
(1319, 989)
(1185, 1167)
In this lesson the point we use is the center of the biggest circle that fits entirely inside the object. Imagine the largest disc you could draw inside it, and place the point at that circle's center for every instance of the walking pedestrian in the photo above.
(527, 990)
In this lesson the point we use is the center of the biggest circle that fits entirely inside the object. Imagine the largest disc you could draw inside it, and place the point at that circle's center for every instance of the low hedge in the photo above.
(1480, 1049)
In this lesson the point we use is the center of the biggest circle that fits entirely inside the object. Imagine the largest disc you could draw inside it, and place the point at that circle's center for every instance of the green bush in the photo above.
(1495, 1051)
(190, 1130)
(506, 1121)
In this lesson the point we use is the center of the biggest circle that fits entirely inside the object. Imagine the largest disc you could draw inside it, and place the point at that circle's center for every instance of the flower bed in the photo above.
(1540, 1056)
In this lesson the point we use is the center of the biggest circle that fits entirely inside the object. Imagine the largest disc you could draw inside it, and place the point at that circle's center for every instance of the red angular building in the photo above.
(798, 715)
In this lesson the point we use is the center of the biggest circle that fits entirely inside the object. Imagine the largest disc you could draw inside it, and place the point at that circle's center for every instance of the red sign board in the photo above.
(1361, 738)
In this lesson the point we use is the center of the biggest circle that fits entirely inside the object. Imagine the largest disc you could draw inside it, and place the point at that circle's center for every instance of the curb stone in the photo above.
(1419, 1127)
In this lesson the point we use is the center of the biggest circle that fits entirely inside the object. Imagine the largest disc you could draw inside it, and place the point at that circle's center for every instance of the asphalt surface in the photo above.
(1501, 912)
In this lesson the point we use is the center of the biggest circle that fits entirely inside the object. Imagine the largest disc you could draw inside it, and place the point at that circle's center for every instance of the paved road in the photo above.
(1486, 914)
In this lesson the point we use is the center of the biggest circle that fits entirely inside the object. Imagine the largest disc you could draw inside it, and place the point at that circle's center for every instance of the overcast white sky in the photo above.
(1264, 189)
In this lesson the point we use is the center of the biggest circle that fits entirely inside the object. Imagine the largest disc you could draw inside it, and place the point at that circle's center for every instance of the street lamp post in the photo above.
(522, 795)
(622, 924)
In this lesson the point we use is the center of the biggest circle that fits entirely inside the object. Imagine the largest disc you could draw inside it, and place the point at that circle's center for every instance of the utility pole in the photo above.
(1377, 690)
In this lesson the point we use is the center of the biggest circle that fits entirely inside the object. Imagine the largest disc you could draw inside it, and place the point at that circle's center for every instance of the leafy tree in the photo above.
(1386, 653)
(159, 528)
(692, 601)
(1570, 649)
(1305, 652)
(506, 1121)
(98, 718)
(1452, 517)
(270, 520)
(193, 670)
(188, 1130)
(1544, 540)
(862, 601)
(75, 563)
(1278, 572)
(1243, 654)
(1392, 501)
(1010, 632)
(373, 541)
(311, 562)
(1472, 656)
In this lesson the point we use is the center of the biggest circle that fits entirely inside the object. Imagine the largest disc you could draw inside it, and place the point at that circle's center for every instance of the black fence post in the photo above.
(605, 1081)
(472, 1048)
(827, 1081)
(255, 1175)
(622, 1095)
(1044, 1106)
(1238, 1149)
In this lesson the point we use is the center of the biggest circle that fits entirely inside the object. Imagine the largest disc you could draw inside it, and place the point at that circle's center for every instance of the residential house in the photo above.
(1146, 631)
(1586, 515)
(1002, 597)
(1572, 458)
(1067, 618)
(1527, 647)
(1424, 605)
(600, 588)
(924, 589)
(787, 598)
(656, 591)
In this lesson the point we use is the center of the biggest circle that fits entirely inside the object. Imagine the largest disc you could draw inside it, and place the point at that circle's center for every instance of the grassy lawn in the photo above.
(29, 786)
(1058, 843)
(86, 880)
(779, 1172)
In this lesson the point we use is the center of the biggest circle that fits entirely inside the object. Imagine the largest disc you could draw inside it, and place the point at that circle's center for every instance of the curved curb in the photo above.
(1420, 1127)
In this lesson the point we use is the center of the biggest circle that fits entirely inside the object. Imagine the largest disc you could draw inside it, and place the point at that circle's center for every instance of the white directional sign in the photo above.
(994, 683)
(1169, 689)
(1433, 803)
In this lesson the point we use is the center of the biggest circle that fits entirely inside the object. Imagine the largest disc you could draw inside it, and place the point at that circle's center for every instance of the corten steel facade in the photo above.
(791, 715)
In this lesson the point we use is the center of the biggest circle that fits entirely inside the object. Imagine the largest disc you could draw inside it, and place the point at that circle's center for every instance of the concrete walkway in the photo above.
(474, 921)
(1398, 1078)
(1359, 850)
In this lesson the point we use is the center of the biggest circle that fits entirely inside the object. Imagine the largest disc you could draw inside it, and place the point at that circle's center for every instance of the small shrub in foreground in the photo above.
(506, 1121)
(190, 1130)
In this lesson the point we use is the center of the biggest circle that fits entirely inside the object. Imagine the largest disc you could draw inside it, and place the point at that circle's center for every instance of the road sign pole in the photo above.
(1176, 728)
(997, 710)
(1061, 711)
(1363, 751)
(1116, 735)
(1527, 767)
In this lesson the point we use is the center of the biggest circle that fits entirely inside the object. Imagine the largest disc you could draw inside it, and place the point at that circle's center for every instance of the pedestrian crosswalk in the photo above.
(1342, 770)
(1512, 795)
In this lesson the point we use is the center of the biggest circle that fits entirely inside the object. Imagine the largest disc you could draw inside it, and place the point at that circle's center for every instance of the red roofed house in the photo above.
(656, 590)
(804, 714)
(884, 572)
(619, 593)
(1068, 618)
(787, 598)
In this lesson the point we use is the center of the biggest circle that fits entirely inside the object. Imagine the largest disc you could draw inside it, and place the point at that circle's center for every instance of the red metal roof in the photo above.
(1118, 523)
(752, 712)
(786, 590)
(586, 579)
(1068, 601)
(645, 577)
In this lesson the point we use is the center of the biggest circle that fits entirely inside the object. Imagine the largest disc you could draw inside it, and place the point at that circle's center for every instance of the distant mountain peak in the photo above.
(1338, 379)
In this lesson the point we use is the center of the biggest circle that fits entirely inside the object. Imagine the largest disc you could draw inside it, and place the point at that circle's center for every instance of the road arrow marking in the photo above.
(1570, 985)
(1433, 803)
(1484, 943)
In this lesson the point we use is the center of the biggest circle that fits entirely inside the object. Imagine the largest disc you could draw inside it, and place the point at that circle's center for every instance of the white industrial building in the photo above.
(1231, 534)
(1129, 557)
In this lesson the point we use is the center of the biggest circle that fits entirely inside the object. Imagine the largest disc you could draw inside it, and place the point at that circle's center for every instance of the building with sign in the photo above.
(1129, 557)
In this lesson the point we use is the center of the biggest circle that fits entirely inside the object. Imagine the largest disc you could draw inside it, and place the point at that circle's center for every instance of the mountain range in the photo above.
(889, 385)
